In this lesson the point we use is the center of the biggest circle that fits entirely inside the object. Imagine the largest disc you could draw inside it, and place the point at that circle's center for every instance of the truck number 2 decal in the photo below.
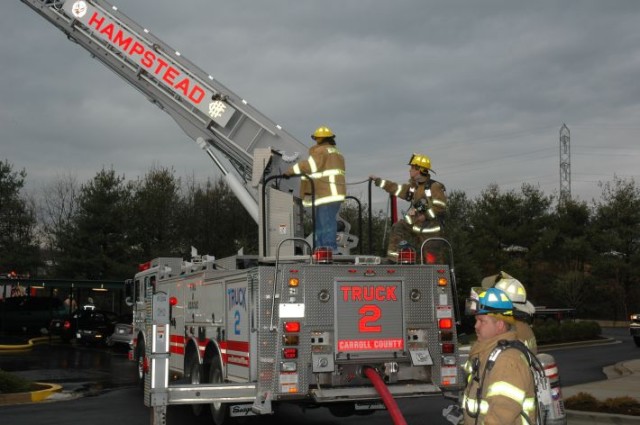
(236, 324)
(369, 315)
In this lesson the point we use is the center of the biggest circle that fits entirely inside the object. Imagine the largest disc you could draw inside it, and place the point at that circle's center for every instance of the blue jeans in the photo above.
(326, 225)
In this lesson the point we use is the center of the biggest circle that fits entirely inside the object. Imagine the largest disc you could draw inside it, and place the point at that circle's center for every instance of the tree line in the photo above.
(568, 253)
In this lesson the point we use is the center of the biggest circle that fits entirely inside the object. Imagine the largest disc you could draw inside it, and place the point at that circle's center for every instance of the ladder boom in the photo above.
(204, 108)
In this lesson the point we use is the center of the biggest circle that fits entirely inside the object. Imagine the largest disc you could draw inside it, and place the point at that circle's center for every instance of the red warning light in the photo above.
(446, 323)
(292, 326)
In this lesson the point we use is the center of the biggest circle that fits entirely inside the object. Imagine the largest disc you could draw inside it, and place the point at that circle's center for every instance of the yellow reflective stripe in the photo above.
(398, 190)
(383, 182)
(439, 203)
(419, 229)
(333, 150)
(431, 213)
(505, 389)
(427, 193)
(529, 406)
(296, 169)
(327, 173)
(312, 165)
(332, 186)
(471, 405)
(408, 219)
(324, 200)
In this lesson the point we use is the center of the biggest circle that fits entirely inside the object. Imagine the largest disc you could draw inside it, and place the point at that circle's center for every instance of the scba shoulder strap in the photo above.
(543, 390)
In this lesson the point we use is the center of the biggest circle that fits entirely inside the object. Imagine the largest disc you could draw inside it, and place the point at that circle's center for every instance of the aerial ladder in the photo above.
(246, 146)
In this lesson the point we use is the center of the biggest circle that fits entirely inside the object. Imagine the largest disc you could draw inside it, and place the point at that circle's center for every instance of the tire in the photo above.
(636, 339)
(141, 363)
(219, 411)
(195, 377)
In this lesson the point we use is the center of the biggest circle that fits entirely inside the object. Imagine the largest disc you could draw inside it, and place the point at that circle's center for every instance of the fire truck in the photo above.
(294, 323)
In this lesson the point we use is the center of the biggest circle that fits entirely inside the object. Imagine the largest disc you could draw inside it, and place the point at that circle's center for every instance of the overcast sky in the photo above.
(482, 87)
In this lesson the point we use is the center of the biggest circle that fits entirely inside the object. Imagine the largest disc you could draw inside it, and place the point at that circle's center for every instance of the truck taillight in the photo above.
(294, 282)
(448, 348)
(291, 326)
(442, 281)
(290, 353)
(407, 256)
(323, 255)
(445, 323)
(430, 258)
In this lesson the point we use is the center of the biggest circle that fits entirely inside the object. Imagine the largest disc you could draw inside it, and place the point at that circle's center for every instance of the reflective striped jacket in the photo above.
(428, 200)
(501, 394)
(326, 167)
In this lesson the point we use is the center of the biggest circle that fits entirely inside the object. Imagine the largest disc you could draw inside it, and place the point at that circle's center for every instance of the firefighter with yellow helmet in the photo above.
(326, 167)
(500, 387)
(428, 202)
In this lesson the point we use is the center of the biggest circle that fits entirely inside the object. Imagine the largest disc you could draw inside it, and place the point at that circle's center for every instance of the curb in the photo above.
(575, 417)
(30, 397)
(29, 345)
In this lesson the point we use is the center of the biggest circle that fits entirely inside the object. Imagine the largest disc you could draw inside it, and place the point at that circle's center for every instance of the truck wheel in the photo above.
(141, 362)
(219, 411)
(636, 339)
(195, 374)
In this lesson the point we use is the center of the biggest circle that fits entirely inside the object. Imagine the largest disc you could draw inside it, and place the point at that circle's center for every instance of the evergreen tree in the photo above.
(569, 254)
(616, 240)
(97, 243)
(156, 215)
(18, 243)
(215, 222)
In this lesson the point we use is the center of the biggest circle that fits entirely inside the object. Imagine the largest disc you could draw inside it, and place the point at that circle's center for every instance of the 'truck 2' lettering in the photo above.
(369, 293)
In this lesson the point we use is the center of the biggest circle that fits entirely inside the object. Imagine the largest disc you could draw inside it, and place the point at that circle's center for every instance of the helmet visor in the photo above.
(472, 303)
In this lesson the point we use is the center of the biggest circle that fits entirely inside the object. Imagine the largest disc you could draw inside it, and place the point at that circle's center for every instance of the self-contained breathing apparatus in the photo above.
(541, 382)
(548, 397)
(550, 408)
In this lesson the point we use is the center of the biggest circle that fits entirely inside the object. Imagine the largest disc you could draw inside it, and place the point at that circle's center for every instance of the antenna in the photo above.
(565, 164)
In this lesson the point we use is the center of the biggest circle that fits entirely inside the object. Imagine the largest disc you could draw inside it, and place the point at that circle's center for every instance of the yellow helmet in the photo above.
(322, 132)
(421, 161)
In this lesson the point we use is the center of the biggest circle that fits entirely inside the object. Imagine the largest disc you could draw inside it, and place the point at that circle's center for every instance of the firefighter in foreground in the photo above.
(326, 167)
(523, 310)
(424, 219)
(500, 386)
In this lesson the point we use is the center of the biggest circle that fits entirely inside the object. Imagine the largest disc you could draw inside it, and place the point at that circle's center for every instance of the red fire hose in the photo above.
(387, 398)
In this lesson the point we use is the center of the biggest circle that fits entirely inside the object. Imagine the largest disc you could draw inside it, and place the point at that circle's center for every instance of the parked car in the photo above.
(29, 314)
(94, 326)
(634, 328)
(123, 332)
(65, 327)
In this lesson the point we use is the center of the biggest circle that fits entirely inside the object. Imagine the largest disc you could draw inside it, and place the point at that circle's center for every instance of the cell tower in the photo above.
(565, 163)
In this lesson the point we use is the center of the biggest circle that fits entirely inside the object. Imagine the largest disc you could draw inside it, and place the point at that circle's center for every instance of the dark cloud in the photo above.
(482, 87)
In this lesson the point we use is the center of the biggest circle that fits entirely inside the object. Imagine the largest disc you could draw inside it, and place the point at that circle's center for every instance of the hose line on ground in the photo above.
(386, 396)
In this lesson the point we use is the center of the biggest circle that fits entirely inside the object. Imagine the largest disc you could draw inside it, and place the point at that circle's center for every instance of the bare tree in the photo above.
(58, 204)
